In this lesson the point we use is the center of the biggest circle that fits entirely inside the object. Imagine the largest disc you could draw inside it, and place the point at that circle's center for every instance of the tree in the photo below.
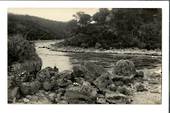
(82, 19)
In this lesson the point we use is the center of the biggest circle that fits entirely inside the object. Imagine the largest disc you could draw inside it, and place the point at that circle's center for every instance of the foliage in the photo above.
(34, 28)
(117, 28)
(22, 55)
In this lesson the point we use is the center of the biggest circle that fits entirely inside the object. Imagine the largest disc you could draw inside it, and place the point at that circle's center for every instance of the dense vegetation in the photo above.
(22, 55)
(117, 28)
(34, 28)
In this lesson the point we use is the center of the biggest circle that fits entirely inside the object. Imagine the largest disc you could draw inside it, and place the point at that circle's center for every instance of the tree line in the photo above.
(117, 28)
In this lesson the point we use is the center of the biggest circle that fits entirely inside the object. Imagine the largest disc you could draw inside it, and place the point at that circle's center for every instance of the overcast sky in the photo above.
(58, 14)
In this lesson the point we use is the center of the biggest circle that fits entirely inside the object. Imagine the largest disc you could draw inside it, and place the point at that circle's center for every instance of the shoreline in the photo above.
(113, 51)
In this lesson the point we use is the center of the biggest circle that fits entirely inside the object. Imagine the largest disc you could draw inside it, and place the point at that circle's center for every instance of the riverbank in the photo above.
(132, 51)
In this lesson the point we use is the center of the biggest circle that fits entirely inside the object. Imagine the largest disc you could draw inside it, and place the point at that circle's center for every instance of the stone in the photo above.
(124, 68)
(103, 81)
(13, 94)
(46, 74)
(139, 75)
(47, 85)
(140, 88)
(117, 98)
(89, 71)
(30, 87)
(52, 96)
(124, 90)
(81, 94)
(112, 87)
(101, 100)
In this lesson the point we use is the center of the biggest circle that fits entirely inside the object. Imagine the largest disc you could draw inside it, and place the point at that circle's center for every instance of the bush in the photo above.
(22, 54)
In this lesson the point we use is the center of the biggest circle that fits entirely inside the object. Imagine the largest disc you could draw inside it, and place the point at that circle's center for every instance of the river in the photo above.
(52, 58)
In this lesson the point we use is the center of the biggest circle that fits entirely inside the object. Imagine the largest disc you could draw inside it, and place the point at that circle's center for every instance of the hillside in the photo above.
(34, 28)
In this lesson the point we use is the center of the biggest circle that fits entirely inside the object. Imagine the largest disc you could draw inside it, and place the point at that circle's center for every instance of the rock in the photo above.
(30, 87)
(124, 90)
(63, 83)
(117, 98)
(94, 71)
(140, 88)
(13, 94)
(52, 96)
(123, 80)
(124, 68)
(66, 74)
(26, 100)
(89, 71)
(112, 87)
(47, 85)
(139, 75)
(62, 102)
(46, 74)
(97, 45)
(103, 81)
(101, 100)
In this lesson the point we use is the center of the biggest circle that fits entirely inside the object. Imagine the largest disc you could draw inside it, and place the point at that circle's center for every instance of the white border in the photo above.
(6, 108)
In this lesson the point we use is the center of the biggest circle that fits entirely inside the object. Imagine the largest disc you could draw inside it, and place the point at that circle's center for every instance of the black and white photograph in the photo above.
(84, 55)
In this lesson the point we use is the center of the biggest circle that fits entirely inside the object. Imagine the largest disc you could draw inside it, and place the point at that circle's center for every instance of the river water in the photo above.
(52, 58)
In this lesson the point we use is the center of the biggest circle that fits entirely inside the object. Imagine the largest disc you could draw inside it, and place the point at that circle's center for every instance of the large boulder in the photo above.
(89, 71)
(124, 68)
(81, 94)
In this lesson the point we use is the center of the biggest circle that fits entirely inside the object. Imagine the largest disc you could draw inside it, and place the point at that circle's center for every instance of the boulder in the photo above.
(81, 94)
(30, 87)
(117, 98)
(124, 68)
(46, 74)
(47, 85)
(13, 94)
(89, 71)
(103, 81)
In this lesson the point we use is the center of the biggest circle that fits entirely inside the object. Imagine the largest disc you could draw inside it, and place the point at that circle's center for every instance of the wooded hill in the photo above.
(35, 28)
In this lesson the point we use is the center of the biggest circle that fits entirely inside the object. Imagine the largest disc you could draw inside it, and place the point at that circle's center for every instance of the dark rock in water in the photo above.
(30, 87)
(117, 98)
(139, 75)
(79, 71)
(103, 81)
(13, 94)
(124, 68)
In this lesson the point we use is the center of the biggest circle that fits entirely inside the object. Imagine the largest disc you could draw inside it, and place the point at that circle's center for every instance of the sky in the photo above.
(57, 14)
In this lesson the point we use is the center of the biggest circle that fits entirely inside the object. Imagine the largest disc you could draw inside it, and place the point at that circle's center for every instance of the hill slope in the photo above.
(35, 28)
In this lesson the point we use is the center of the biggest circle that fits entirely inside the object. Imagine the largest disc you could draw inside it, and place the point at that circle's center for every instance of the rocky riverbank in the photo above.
(88, 83)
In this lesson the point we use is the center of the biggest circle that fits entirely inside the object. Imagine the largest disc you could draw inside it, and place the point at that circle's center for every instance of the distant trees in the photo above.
(34, 28)
(118, 28)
